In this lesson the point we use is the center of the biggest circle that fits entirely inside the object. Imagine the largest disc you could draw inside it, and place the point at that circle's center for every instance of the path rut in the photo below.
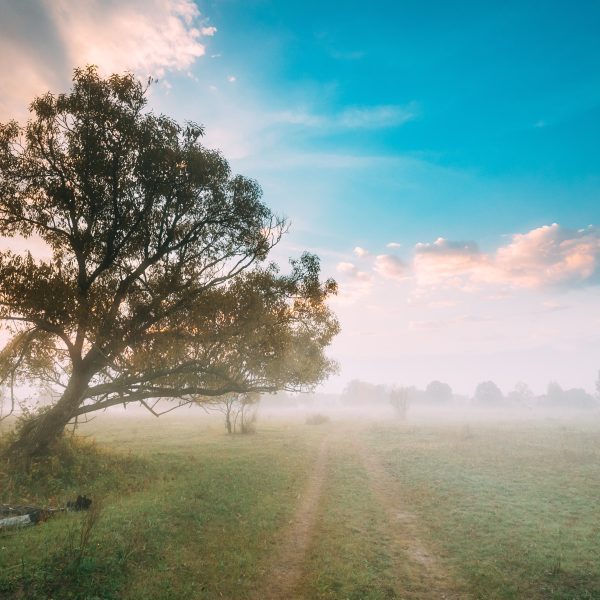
(287, 568)
(405, 530)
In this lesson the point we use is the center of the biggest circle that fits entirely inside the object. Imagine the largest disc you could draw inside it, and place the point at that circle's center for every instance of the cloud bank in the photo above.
(43, 40)
(550, 256)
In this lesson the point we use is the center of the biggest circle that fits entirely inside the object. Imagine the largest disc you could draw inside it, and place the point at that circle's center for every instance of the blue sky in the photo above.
(503, 99)
(440, 157)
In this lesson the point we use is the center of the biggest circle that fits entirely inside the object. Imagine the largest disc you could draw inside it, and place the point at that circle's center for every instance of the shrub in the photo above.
(317, 419)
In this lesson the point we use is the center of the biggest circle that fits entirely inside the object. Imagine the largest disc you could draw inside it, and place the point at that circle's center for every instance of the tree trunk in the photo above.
(41, 431)
(228, 418)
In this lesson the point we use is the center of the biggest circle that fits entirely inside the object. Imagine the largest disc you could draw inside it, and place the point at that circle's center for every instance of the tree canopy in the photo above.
(157, 283)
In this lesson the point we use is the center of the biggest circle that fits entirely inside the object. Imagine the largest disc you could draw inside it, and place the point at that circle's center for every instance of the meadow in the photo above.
(339, 509)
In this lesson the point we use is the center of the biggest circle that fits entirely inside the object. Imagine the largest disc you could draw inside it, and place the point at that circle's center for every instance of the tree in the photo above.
(362, 392)
(239, 411)
(399, 399)
(521, 395)
(439, 392)
(574, 398)
(488, 393)
(157, 285)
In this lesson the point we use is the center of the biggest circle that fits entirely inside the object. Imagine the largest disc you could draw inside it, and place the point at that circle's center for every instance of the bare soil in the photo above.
(287, 567)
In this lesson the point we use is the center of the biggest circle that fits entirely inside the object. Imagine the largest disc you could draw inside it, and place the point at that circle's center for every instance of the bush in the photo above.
(317, 419)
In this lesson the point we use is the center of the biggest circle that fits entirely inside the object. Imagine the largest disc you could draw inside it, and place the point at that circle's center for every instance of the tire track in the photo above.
(434, 581)
(287, 568)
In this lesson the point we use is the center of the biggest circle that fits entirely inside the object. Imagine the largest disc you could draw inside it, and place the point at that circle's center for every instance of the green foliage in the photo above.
(157, 284)
(74, 465)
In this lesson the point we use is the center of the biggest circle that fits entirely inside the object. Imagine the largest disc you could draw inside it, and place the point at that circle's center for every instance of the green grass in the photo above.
(200, 523)
(514, 508)
(352, 556)
(510, 511)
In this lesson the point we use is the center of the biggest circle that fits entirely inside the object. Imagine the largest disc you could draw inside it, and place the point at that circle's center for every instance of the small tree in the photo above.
(439, 392)
(521, 395)
(399, 399)
(157, 284)
(488, 393)
(239, 411)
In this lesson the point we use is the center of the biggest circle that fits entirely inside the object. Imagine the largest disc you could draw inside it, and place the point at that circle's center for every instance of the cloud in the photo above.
(390, 267)
(231, 78)
(393, 245)
(368, 117)
(356, 284)
(376, 117)
(551, 255)
(42, 40)
(351, 270)
(429, 325)
(360, 252)
(444, 262)
(145, 36)
(548, 256)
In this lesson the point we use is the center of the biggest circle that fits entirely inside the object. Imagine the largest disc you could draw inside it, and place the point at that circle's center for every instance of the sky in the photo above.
(440, 157)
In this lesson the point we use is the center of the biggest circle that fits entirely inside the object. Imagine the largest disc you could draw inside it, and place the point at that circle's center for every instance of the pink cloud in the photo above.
(449, 263)
(354, 285)
(351, 270)
(545, 256)
(390, 267)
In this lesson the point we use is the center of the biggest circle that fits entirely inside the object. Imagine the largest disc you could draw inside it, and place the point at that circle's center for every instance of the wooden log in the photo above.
(18, 521)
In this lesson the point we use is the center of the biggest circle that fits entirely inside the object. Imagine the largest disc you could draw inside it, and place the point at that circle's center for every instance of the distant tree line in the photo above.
(486, 394)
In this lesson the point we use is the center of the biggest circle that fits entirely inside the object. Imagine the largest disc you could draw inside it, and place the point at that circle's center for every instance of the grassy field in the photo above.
(376, 510)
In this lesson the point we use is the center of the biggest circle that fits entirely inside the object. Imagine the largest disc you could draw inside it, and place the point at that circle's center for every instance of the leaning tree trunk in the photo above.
(42, 430)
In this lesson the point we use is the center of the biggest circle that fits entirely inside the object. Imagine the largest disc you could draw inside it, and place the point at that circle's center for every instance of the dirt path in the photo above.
(406, 532)
(287, 566)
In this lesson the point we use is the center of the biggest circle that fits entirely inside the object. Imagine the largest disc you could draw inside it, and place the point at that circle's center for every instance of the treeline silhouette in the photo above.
(359, 393)
(486, 394)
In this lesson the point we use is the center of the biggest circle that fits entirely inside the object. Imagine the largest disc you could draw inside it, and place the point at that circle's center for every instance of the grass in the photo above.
(352, 556)
(510, 511)
(513, 508)
(199, 523)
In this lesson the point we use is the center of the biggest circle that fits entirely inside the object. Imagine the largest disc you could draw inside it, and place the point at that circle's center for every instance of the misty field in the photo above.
(334, 510)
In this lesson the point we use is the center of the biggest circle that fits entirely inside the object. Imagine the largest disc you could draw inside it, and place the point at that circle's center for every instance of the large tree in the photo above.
(156, 284)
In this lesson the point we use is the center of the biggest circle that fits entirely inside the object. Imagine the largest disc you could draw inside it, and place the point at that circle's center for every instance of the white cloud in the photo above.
(367, 117)
(393, 245)
(390, 267)
(145, 36)
(148, 37)
(231, 78)
(361, 252)
(376, 117)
